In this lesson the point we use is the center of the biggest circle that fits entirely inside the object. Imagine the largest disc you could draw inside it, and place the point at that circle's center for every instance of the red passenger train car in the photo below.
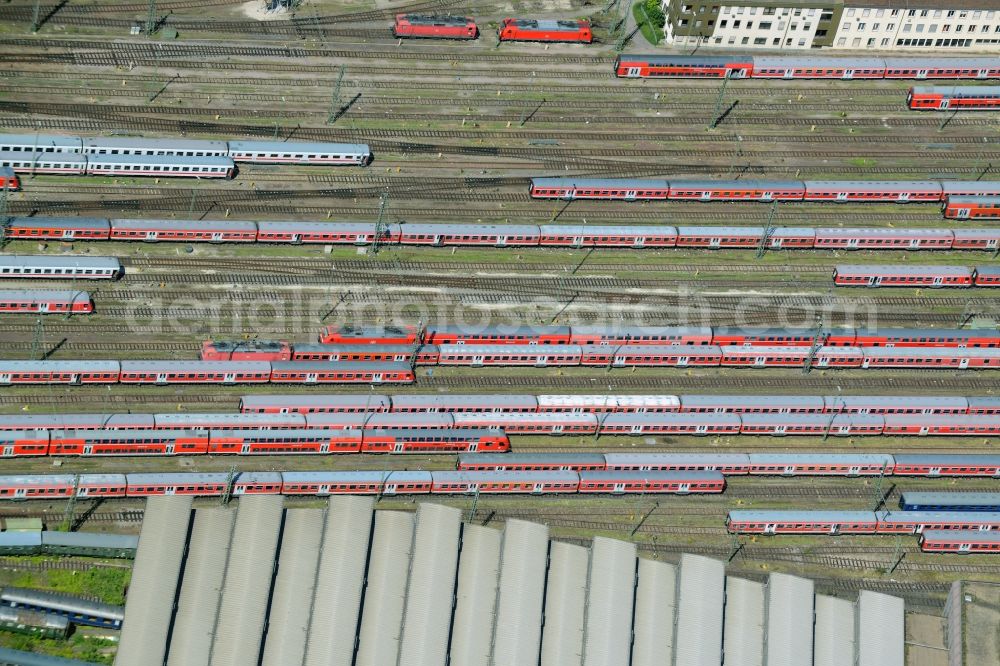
(8, 179)
(944, 98)
(370, 335)
(531, 30)
(435, 27)
(972, 208)
(46, 302)
(247, 350)
(960, 541)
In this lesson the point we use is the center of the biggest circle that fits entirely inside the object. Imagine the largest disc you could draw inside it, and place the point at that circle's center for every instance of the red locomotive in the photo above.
(441, 27)
(249, 350)
(8, 179)
(531, 30)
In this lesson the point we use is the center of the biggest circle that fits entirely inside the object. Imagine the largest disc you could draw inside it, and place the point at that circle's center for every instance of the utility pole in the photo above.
(335, 99)
(227, 493)
(877, 497)
(737, 547)
(35, 14)
(816, 344)
(151, 18)
(4, 218)
(37, 339)
(71, 505)
(381, 228)
(642, 521)
(718, 103)
(194, 193)
(898, 557)
(765, 238)
(475, 505)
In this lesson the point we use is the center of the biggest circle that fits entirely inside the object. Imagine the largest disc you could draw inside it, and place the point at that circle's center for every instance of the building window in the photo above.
(951, 13)
(885, 41)
(776, 41)
(765, 26)
(865, 12)
(737, 24)
(768, 11)
(861, 26)
(821, 33)
(920, 27)
(856, 42)
(890, 27)
(745, 40)
(871, 42)
(842, 41)
(697, 24)
(723, 22)
(907, 27)
(850, 12)
(802, 42)
(879, 13)
(759, 41)
(749, 25)
(933, 27)
(795, 26)
(826, 16)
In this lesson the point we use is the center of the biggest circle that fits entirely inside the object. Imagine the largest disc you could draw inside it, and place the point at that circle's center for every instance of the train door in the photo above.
(934, 471)
(541, 360)
(834, 528)
(161, 378)
(759, 361)
(903, 197)
(558, 428)
(577, 241)
(324, 489)
(963, 364)
(244, 449)
(43, 307)
(874, 281)
(477, 359)
(964, 547)
(169, 449)
(568, 194)
(714, 243)
(618, 489)
(636, 429)
(937, 281)
(88, 450)
(361, 239)
(963, 214)
(389, 489)
(74, 378)
(397, 447)
(169, 490)
(767, 196)
(538, 489)
(914, 243)
(473, 447)
(296, 238)
(944, 103)
(770, 528)
(311, 377)
(324, 447)
(848, 74)
(706, 196)
(924, 430)
(854, 470)
(841, 196)
(780, 429)
(682, 361)
(788, 471)
(921, 73)
(501, 241)
(20, 493)
(788, 74)
(633, 72)
(683, 488)
(822, 361)
(630, 195)
(229, 378)
(8, 451)
(4, 378)
(217, 237)
(983, 74)
(701, 429)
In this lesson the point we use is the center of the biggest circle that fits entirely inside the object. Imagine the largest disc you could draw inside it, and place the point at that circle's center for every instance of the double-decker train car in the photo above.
(972, 208)
(46, 302)
(434, 26)
(960, 541)
(805, 67)
(845, 275)
(545, 30)
(944, 98)
(65, 267)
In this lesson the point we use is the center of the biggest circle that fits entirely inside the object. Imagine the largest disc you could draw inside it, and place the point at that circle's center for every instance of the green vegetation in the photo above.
(650, 22)
(105, 583)
(78, 646)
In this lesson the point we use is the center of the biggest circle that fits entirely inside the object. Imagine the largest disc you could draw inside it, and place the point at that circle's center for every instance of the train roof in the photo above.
(195, 366)
(687, 60)
(639, 475)
(416, 401)
(194, 225)
(813, 419)
(641, 331)
(962, 234)
(671, 401)
(988, 270)
(925, 352)
(953, 498)
(525, 458)
(975, 186)
(284, 147)
(500, 349)
(469, 229)
(822, 459)
(817, 62)
(40, 141)
(547, 24)
(431, 19)
(403, 419)
(91, 540)
(902, 269)
(320, 366)
(717, 232)
(948, 459)
(927, 333)
(606, 230)
(859, 401)
(807, 401)
(971, 198)
(938, 62)
(980, 401)
(766, 516)
(670, 418)
(44, 158)
(122, 142)
(873, 185)
(316, 400)
(503, 329)
(325, 227)
(60, 261)
(943, 419)
(61, 222)
(365, 476)
(193, 478)
(58, 366)
(676, 459)
(959, 91)
(500, 476)
(74, 296)
(882, 233)
(356, 349)
(247, 345)
(969, 517)
(965, 536)
(10, 539)
(764, 331)
(162, 160)
(598, 183)
(525, 417)
(766, 185)
(250, 420)
(113, 435)
(59, 601)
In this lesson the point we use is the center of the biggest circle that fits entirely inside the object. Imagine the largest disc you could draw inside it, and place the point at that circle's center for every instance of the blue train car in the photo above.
(924, 501)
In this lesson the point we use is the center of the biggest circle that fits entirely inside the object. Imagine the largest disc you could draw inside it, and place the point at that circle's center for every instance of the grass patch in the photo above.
(652, 33)
(79, 646)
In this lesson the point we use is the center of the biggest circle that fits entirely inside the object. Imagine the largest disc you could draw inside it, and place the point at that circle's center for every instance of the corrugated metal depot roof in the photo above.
(288, 622)
(700, 600)
(242, 611)
(517, 630)
(340, 574)
(424, 636)
(565, 602)
(880, 630)
(834, 632)
(154, 581)
(201, 589)
(655, 605)
(789, 620)
(744, 623)
(388, 570)
(476, 597)
(610, 596)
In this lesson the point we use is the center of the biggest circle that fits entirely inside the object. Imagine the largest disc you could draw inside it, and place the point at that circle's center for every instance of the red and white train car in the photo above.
(681, 356)
(336, 233)
(915, 522)
(58, 372)
(737, 190)
(958, 207)
(894, 191)
(632, 65)
(633, 481)
(532, 482)
(630, 423)
(377, 353)
(195, 372)
(843, 425)
(551, 423)
(884, 239)
(478, 355)
(46, 302)
(525, 462)
(987, 276)
(128, 442)
(960, 541)
(204, 484)
(801, 522)
(944, 98)
(312, 403)
(596, 235)
(24, 443)
(812, 67)
(44, 486)
(471, 334)
(197, 231)
(931, 357)
(943, 464)
(8, 179)
(821, 464)
(641, 335)
(245, 350)
(355, 483)
(370, 335)
(948, 425)
(493, 235)
(322, 372)
(791, 357)
(902, 276)
(59, 228)
(727, 463)
(602, 404)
